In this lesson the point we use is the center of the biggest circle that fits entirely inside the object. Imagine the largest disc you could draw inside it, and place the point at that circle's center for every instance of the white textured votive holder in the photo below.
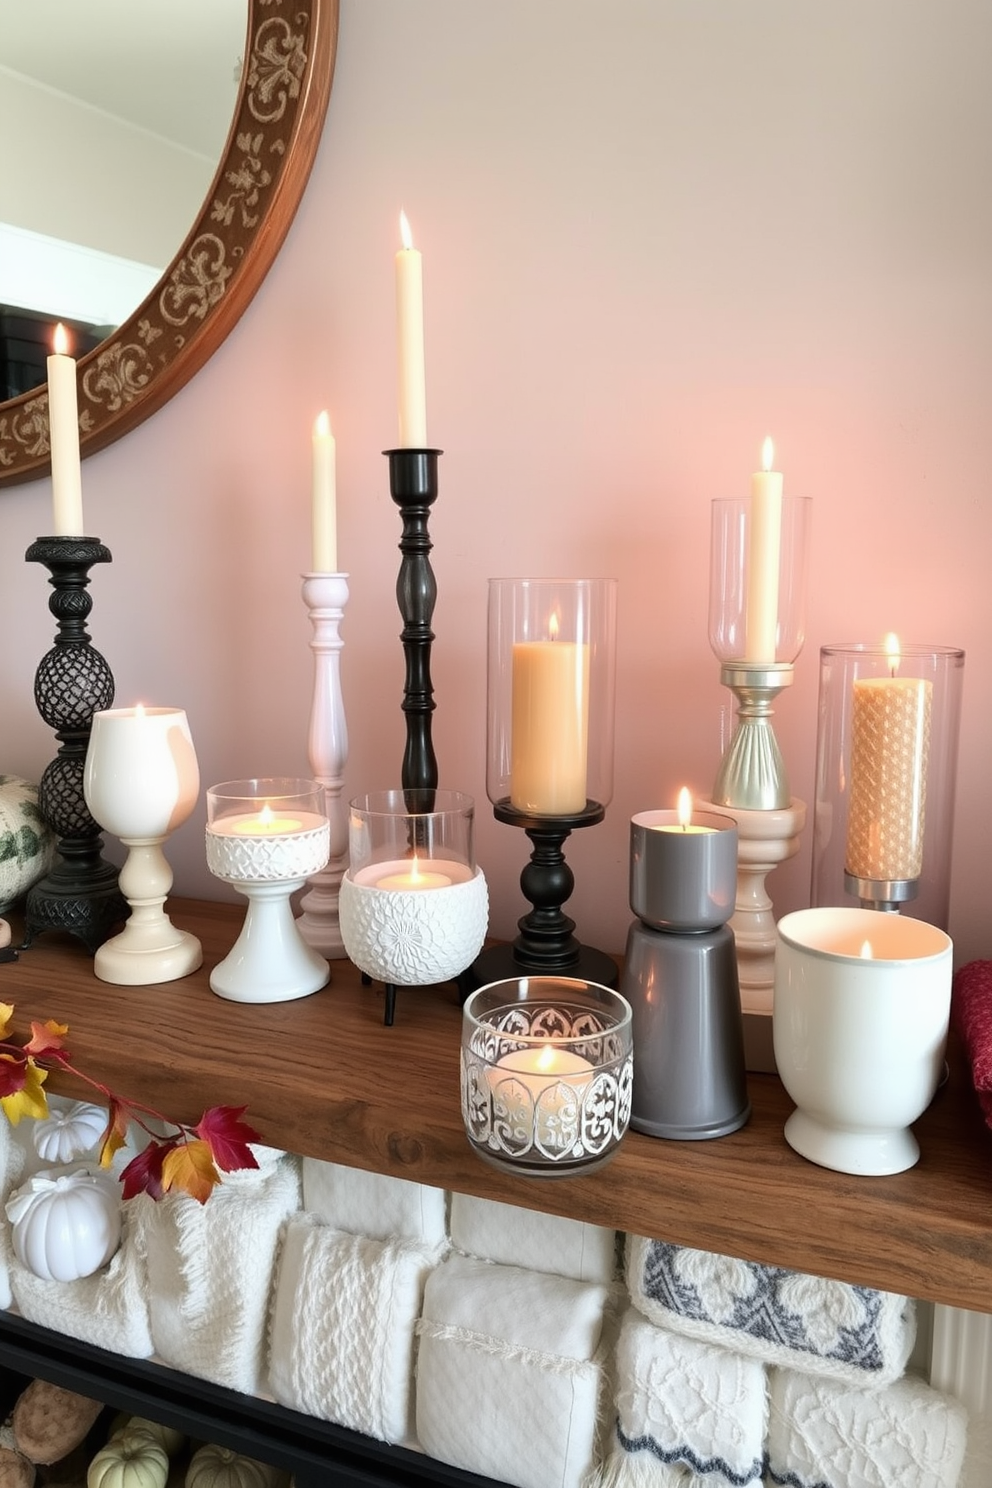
(417, 936)
(859, 1039)
(262, 859)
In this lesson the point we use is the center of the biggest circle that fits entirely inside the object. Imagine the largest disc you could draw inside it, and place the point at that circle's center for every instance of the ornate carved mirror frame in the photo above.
(282, 102)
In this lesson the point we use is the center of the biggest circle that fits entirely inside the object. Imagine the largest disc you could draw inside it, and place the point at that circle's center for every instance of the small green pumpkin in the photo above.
(219, 1467)
(129, 1462)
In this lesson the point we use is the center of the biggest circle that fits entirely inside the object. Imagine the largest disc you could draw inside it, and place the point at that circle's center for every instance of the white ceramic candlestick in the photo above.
(325, 596)
(141, 782)
(764, 840)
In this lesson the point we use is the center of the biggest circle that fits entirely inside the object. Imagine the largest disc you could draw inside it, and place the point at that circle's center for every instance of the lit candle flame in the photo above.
(139, 710)
(406, 236)
(684, 807)
(553, 627)
(866, 953)
(322, 424)
(60, 340)
(767, 453)
(546, 1058)
(892, 651)
(265, 815)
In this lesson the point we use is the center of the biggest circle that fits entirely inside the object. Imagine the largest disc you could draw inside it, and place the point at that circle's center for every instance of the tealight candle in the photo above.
(555, 1081)
(416, 878)
(685, 822)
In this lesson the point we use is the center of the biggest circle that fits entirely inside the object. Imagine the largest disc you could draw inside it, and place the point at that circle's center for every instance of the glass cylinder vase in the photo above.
(735, 573)
(886, 770)
(552, 648)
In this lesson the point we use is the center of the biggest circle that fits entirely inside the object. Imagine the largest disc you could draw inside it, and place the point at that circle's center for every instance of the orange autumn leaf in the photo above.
(115, 1134)
(46, 1038)
(29, 1100)
(190, 1168)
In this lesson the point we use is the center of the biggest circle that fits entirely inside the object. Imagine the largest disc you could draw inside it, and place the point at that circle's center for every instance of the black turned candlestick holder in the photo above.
(413, 486)
(550, 711)
(73, 681)
(546, 944)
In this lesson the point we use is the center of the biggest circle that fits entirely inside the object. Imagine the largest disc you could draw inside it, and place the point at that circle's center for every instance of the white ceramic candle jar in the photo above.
(862, 1001)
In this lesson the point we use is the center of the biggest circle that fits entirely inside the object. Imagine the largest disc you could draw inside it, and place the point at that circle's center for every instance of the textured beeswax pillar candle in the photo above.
(549, 727)
(890, 746)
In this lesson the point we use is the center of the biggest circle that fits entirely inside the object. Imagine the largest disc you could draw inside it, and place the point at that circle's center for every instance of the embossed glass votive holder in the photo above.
(414, 904)
(546, 1074)
(886, 771)
(266, 837)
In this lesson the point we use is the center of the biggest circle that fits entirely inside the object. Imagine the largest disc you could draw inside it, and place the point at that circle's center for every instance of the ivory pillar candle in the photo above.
(549, 727)
(324, 502)
(764, 545)
(890, 747)
(63, 425)
(410, 340)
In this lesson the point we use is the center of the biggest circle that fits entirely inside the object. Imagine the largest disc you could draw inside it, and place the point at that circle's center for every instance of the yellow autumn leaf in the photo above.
(190, 1168)
(30, 1099)
(6, 1013)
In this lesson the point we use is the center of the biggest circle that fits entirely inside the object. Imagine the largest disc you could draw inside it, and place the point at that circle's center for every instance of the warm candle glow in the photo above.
(139, 710)
(406, 236)
(684, 807)
(262, 823)
(553, 627)
(415, 880)
(892, 651)
(60, 340)
(866, 953)
(767, 453)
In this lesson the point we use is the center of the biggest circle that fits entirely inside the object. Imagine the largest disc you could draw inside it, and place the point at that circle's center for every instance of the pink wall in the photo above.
(653, 232)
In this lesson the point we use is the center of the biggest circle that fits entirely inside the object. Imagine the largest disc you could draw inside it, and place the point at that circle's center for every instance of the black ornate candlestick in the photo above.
(80, 894)
(546, 945)
(413, 486)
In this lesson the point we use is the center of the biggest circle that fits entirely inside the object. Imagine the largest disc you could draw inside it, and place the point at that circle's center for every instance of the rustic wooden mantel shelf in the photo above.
(323, 1076)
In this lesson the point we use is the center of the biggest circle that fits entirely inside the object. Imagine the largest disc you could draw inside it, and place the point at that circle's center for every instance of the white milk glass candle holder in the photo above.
(266, 837)
(141, 781)
(862, 1002)
(758, 567)
(886, 770)
(546, 1074)
(414, 904)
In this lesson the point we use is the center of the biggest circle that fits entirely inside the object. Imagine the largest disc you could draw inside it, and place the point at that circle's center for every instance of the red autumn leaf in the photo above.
(46, 1038)
(227, 1137)
(143, 1173)
(13, 1073)
(115, 1135)
(190, 1168)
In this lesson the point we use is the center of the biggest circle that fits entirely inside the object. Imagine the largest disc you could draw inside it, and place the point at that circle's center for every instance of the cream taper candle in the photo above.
(63, 426)
(324, 505)
(764, 544)
(410, 340)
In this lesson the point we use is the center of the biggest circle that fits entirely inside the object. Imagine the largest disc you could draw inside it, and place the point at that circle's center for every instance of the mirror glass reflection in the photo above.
(121, 111)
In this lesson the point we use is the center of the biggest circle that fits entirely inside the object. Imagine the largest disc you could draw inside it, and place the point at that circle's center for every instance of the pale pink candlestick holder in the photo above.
(325, 596)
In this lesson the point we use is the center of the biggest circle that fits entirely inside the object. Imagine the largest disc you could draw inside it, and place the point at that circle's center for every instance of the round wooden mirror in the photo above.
(282, 101)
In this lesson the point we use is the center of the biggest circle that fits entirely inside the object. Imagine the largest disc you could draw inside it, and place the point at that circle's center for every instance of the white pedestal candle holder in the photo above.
(326, 595)
(141, 781)
(266, 837)
(414, 905)
(862, 1001)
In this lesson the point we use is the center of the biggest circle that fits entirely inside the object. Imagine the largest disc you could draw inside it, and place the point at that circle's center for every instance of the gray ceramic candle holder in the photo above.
(683, 879)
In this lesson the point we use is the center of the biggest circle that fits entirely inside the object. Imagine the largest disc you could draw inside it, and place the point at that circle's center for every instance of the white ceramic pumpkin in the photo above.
(129, 1462)
(65, 1225)
(27, 843)
(69, 1132)
(219, 1467)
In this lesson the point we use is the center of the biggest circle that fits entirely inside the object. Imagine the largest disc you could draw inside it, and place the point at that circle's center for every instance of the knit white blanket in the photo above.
(831, 1328)
(375, 1204)
(341, 1336)
(510, 1372)
(210, 1270)
(686, 1411)
(822, 1434)
(108, 1309)
(528, 1237)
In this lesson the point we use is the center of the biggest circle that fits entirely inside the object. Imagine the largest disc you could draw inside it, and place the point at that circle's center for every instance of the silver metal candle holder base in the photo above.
(886, 894)
(752, 772)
